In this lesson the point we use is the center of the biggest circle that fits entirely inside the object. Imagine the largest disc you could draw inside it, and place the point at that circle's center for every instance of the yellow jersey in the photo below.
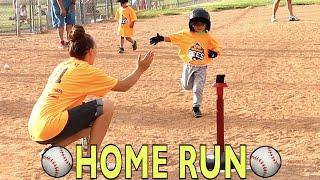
(125, 16)
(193, 47)
(67, 87)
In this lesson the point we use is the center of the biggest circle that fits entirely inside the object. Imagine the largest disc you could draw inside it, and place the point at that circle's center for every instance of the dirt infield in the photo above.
(273, 98)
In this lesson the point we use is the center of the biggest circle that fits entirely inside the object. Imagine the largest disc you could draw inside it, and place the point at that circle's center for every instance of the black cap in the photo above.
(122, 1)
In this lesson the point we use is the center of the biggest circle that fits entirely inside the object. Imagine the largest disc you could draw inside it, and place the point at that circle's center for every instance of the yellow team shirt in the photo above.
(67, 87)
(125, 16)
(193, 47)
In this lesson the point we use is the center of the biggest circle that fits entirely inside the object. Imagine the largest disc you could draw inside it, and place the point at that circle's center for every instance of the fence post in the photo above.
(84, 12)
(77, 12)
(48, 14)
(94, 10)
(30, 14)
(33, 19)
(39, 17)
(17, 18)
(111, 3)
(110, 15)
(106, 8)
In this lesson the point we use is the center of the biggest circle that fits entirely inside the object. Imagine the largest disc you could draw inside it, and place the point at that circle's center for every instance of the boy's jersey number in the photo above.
(124, 20)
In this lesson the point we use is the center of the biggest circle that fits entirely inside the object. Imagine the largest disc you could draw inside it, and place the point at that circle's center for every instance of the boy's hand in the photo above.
(212, 54)
(144, 63)
(154, 40)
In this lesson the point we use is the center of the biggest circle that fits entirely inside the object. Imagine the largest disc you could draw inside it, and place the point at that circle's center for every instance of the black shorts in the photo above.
(79, 118)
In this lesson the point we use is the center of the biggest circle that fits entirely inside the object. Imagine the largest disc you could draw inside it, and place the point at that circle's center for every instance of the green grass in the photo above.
(6, 11)
(219, 5)
(154, 13)
(164, 2)
(234, 4)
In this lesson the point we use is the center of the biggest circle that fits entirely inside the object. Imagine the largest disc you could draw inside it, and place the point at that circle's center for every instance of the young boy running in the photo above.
(196, 48)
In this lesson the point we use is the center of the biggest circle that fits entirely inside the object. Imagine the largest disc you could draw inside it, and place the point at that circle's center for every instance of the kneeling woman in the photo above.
(60, 117)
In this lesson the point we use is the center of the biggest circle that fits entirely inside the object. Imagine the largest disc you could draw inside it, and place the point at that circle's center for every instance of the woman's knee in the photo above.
(108, 106)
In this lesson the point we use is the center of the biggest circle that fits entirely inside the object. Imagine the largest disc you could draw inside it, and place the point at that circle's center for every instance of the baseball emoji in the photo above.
(57, 161)
(265, 161)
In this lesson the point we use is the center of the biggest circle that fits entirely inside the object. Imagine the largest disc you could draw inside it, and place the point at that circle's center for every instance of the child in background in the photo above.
(23, 13)
(126, 17)
(197, 48)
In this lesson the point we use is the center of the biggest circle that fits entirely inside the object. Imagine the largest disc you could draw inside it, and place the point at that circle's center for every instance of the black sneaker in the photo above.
(121, 50)
(196, 112)
(134, 45)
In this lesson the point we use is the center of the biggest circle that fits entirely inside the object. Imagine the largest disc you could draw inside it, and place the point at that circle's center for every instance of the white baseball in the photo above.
(57, 161)
(6, 67)
(265, 161)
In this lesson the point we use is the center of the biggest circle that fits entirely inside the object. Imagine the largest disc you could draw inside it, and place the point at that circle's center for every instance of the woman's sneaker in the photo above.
(273, 19)
(293, 18)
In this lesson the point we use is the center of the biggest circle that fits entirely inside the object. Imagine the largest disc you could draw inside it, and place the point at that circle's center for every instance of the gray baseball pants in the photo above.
(194, 77)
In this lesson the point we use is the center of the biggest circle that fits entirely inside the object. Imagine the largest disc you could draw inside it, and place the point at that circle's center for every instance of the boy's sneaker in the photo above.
(273, 19)
(196, 112)
(62, 45)
(121, 50)
(134, 45)
(293, 18)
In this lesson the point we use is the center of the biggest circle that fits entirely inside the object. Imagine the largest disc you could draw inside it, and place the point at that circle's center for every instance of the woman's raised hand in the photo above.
(144, 63)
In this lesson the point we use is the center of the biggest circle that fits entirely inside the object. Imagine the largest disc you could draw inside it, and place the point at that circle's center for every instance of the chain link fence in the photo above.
(34, 16)
(22, 16)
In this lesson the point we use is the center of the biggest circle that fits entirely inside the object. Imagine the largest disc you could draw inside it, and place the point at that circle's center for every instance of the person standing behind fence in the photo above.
(63, 17)
(197, 48)
(142, 4)
(276, 3)
(23, 13)
(126, 18)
